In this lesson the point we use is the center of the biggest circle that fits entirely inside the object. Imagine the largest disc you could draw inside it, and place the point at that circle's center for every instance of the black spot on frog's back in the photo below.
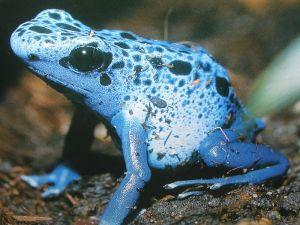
(160, 155)
(137, 81)
(137, 69)
(127, 36)
(181, 83)
(40, 29)
(158, 102)
(127, 98)
(179, 67)
(118, 65)
(105, 79)
(147, 82)
(125, 53)
(107, 60)
(21, 32)
(33, 57)
(122, 45)
(159, 49)
(37, 38)
(55, 16)
(64, 62)
(67, 27)
(136, 58)
(156, 62)
(206, 66)
(222, 86)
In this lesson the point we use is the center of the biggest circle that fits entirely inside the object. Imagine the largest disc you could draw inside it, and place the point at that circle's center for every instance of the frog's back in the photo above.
(192, 97)
(185, 92)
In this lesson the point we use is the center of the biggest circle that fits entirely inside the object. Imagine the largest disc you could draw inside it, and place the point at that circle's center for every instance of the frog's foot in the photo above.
(257, 163)
(252, 177)
(187, 194)
(216, 183)
(60, 177)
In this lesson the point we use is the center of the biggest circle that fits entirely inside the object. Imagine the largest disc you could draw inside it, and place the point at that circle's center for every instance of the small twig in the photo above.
(223, 133)
(167, 65)
(167, 138)
(233, 170)
(32, 219)
(196, 82)
(166, 24)
(91, 33)
(8, 216)
(71, 199)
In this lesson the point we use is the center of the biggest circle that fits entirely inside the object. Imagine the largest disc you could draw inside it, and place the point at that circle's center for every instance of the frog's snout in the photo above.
(22, 47)
(45, 35)
(15, 45)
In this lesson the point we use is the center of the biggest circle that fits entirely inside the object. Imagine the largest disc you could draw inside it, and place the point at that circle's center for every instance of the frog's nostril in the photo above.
(33, 57)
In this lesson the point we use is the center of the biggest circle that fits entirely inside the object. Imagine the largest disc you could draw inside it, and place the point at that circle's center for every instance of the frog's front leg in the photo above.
(133, 138)
(79, 139)
(222, 149)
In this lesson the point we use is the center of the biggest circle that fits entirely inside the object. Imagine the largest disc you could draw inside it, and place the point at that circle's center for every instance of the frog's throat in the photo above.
(71, 91)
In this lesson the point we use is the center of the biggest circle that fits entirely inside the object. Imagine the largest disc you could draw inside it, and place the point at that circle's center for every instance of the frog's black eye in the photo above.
(86, 58)
(222, 86)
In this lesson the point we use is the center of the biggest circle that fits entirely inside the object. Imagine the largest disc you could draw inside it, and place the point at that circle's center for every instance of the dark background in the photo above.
(244, 35)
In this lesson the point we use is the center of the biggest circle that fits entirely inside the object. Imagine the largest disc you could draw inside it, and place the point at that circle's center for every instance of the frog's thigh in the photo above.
(259, 162)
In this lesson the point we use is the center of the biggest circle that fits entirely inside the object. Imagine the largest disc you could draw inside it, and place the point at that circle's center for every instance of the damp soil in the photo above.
(83, 201)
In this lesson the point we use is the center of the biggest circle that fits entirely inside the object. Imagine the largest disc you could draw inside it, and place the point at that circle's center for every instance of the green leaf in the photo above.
(279, 84)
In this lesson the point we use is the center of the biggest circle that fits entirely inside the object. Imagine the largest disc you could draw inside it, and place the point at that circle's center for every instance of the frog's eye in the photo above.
(222, 86)
(86, 58)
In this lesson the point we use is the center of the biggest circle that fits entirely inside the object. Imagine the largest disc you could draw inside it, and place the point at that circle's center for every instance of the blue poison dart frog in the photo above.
(169, 106)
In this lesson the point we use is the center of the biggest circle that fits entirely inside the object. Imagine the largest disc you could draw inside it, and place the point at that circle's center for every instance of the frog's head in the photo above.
(69, 57)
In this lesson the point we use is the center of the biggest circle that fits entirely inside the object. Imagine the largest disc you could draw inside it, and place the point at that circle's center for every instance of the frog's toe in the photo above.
(60, 177)
(36, 181)
(187, 194)
(53, 191)
(214, 183)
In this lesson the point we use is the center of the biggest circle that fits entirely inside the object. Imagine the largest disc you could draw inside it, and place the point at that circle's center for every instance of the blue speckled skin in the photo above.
(171, 105)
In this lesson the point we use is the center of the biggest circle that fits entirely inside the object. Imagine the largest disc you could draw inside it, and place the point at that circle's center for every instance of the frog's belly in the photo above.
(173, 148)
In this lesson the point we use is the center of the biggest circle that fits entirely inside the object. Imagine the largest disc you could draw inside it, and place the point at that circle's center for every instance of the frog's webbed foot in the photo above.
(60, 177)
(78, 139)
(257, 163)
(214, 183)
(186, 194)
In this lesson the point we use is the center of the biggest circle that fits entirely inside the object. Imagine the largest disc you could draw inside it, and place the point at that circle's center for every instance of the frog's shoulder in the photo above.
(181, 60)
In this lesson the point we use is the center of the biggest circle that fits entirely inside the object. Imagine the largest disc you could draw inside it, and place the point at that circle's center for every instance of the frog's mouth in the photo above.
(68, 89)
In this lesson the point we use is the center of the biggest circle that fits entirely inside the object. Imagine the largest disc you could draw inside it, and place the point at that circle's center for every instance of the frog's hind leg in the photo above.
(78, 140)
(221, 149)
